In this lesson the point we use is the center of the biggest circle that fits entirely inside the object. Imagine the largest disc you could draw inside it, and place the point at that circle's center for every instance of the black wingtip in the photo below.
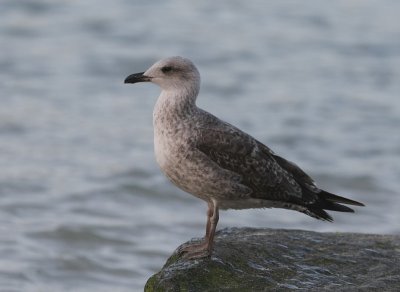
(338, 199)
(330, 202)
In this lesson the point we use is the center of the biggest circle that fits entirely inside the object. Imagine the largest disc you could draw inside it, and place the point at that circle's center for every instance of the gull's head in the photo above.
(170, 73)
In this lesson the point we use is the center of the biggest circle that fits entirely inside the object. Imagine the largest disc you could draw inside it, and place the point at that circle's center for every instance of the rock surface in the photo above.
(247, 259)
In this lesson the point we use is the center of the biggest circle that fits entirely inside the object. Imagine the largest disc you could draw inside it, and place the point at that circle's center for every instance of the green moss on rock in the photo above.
(283, 260)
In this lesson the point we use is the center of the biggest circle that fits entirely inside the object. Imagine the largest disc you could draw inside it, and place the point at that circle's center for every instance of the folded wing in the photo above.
(270, 177)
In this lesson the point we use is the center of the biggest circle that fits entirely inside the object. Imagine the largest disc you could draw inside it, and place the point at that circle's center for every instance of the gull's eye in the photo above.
(166, 69)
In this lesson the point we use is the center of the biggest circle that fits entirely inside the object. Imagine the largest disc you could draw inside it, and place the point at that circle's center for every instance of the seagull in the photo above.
(217, 162)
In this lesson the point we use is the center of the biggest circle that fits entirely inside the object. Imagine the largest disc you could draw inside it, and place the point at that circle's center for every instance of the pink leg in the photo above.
(204, 249)
(210, 212)
(213, 225)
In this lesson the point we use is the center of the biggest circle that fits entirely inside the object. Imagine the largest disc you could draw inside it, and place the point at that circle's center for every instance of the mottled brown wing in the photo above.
(236, 151)
(299, 175)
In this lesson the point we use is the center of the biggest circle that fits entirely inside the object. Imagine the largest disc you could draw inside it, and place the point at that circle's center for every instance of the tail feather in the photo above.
(319, 213)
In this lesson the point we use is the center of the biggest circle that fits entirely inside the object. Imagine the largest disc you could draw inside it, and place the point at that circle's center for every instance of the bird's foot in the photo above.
(195, 251)
(197, 254)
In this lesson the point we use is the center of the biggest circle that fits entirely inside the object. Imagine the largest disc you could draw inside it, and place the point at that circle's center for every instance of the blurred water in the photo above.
(83, 206)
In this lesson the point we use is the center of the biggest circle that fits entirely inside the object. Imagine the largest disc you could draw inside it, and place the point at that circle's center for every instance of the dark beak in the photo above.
(137, 77)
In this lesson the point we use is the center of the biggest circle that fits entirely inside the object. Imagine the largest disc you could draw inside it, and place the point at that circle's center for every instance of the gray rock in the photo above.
(246, 259)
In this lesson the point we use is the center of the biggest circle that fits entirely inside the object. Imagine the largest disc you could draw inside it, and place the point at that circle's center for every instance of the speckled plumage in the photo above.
(216, 161)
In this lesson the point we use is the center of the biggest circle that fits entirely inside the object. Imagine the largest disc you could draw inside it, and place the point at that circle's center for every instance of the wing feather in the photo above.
(269, 176)
(238, 152)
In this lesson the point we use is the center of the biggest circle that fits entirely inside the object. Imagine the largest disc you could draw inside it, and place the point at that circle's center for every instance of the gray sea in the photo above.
(83, 205)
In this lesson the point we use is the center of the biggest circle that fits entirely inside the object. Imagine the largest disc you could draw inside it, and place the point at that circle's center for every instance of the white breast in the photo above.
(160, 151)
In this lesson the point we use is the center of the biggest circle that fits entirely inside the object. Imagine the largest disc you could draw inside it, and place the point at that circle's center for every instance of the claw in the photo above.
(197, 254)
(194, 251)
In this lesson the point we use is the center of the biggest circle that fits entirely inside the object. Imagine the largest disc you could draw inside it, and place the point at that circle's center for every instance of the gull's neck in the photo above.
(176, 103)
